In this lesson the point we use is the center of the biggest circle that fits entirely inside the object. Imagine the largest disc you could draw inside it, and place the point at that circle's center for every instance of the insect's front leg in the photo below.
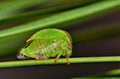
(65, 53)
(37, 58)
(58, 56)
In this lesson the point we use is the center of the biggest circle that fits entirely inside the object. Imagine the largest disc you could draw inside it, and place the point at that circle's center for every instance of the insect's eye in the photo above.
(69, 45)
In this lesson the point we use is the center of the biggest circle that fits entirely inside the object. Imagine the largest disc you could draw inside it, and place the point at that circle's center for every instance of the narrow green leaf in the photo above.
(97, 78)
(112, 74)
(10, 8)
(44, 11)
(62, 17)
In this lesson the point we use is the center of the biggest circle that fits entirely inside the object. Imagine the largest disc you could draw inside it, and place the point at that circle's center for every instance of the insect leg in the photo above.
(37, 58)
(67, 58)
(58, 56)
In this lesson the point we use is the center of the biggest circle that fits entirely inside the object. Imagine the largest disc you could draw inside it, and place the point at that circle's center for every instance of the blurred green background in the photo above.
(93, 24)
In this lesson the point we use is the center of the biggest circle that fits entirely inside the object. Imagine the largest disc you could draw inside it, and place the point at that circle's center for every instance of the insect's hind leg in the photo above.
(67, 59)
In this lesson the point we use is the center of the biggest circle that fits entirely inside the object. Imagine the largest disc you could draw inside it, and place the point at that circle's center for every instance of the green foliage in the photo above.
(17, 24)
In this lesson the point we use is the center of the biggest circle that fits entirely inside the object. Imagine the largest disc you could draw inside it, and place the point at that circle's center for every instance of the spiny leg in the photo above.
(58, 56)
(67, 58)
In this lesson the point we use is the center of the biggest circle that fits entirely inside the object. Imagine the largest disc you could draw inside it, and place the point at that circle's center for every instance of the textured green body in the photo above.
(48, 43)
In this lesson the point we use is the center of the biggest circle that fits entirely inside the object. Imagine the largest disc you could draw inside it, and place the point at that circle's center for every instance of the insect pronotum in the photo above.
(47, 43)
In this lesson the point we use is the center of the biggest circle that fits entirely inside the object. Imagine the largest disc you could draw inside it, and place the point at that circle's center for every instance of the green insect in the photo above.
(47, 43)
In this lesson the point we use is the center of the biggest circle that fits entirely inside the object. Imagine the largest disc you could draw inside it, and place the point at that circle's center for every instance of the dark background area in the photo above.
(101, 47)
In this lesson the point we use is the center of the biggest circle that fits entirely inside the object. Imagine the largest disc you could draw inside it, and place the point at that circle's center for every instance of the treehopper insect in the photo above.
(47, 43)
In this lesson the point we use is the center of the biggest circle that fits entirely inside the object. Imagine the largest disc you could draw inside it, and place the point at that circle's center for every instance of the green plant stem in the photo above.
(60, 61)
